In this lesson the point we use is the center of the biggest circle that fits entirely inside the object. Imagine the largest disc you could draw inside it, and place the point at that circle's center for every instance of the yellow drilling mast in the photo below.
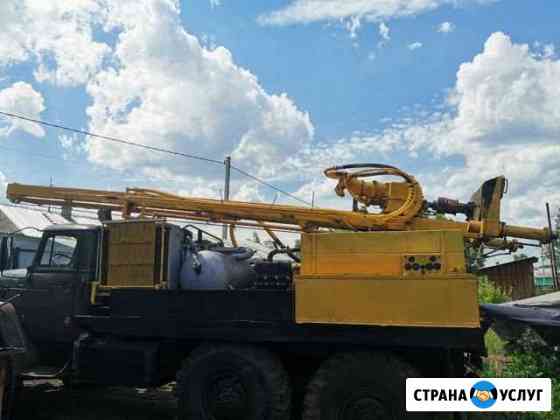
(402, 205)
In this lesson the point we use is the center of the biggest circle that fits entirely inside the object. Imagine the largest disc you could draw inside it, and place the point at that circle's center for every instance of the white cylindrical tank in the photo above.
(221, 268)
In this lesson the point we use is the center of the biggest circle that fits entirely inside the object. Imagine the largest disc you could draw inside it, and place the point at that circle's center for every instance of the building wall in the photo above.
(516, 278)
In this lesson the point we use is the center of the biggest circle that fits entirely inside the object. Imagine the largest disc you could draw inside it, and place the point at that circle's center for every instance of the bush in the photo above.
(538, 364)
(530, 357)
(489, 293)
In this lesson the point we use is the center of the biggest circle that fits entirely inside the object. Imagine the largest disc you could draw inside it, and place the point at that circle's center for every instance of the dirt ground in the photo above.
(49, 400)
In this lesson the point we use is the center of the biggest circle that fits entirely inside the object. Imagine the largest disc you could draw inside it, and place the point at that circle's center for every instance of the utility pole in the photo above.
(227, 164)
(50, 185)
(553, 261)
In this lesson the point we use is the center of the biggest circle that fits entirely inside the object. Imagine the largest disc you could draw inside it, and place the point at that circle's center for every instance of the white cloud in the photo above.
(165, 89)
(158, 85)
(72, 145)
(506, 89)
(306, 11)
(249, 191)
(384, 33)
(21, 98)
(55, 34)
(507, 106)
(415, 46)
(215, 3)
(446, 27)
(502, 117)
(353, 25)
(549, 51)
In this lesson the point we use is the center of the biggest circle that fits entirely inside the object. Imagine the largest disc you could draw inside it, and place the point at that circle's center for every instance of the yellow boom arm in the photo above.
(402, 208)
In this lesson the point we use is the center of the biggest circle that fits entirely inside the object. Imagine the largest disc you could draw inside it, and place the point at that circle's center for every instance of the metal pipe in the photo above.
(155, 203)
(542, 235)
(232, 235)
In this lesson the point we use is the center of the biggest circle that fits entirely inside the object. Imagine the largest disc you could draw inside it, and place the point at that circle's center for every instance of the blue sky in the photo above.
(287, 88)
(318, 65)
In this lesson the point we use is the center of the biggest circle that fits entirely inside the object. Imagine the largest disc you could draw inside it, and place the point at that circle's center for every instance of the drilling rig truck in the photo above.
(331, 331)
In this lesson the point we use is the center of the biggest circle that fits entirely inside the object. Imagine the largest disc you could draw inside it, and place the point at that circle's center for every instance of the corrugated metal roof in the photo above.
(85, 220)
(530, 260)
(23, 218)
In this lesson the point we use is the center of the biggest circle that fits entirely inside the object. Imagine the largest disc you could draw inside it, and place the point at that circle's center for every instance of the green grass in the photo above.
(494, 345)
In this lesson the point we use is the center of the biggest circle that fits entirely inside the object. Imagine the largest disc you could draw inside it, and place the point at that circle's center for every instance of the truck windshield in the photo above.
(59, 251)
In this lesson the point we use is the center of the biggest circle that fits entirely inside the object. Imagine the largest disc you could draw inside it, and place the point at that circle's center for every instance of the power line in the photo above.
(109, 138)
(152, 148)
(247, 174)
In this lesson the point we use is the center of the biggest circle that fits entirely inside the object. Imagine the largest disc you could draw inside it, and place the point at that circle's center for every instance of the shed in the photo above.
(515, 278)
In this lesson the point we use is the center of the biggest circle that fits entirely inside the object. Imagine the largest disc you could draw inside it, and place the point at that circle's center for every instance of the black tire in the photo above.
(226, 382)
(359, 386)
(12, 389)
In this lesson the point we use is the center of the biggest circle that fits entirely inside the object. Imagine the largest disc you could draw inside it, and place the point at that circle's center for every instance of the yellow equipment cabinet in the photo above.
(141, 253)
(415, 278)
(132, 255)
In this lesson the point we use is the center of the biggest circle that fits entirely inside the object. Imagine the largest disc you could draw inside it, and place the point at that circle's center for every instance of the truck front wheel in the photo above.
(226, 382)
(359, 386)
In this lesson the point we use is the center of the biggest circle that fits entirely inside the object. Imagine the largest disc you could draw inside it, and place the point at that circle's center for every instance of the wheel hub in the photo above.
(226, 398)
(363, 408)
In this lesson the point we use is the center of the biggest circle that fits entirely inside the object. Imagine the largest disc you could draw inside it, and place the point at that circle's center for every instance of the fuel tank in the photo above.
(218, 268)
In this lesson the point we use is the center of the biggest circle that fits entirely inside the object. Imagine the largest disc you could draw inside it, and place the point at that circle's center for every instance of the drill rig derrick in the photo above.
(401, 203)
(403, 206)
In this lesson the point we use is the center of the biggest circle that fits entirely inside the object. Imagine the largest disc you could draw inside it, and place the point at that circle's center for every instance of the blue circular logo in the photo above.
(484, 394)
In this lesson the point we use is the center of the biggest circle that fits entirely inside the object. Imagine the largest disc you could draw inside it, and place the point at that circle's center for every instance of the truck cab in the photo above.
(54, 288)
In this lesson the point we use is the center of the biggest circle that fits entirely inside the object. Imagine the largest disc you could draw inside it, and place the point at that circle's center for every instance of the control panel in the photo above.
(421, 264)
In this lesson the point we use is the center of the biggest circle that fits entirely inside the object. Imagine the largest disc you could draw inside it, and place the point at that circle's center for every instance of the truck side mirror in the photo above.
(3, 253)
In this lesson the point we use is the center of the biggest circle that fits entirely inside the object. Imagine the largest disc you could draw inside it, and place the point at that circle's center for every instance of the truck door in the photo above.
(47, 305)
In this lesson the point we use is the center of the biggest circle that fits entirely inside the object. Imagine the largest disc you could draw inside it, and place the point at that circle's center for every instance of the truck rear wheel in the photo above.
(358, 386)
(226, 382)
